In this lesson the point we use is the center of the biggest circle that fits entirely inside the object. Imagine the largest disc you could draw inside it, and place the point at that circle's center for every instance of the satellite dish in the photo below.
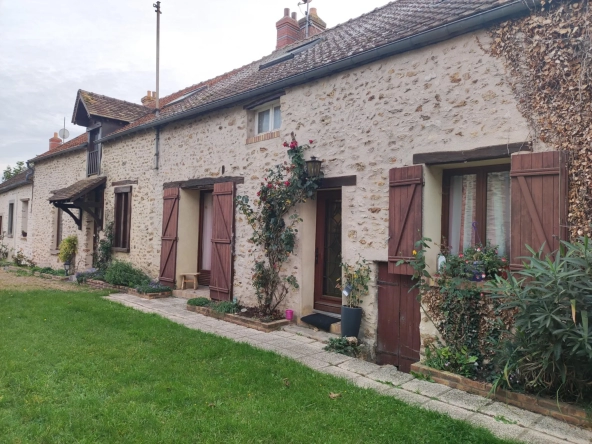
(64, 134)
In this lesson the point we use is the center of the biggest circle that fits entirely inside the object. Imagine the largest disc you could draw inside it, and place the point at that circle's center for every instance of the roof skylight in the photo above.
(290, 54)
(189, 94)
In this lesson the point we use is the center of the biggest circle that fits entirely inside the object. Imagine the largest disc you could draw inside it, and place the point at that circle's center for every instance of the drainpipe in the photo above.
(157, 148)
(30, 172)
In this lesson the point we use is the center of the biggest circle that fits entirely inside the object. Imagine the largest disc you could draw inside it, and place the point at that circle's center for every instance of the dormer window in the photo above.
(269, 118)
(93, 163)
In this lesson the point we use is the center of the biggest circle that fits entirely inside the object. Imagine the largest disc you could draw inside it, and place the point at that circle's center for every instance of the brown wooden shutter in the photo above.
(405, 216)
(222, 237)
(539, 204)
(170, 225)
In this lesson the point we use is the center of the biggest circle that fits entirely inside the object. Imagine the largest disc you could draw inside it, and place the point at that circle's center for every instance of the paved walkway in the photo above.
(297, 343)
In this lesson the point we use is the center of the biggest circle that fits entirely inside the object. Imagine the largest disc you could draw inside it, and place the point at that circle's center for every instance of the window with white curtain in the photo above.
(477, 208)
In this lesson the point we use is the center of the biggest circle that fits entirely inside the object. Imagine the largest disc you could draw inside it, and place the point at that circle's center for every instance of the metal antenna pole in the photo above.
(307, 17)
(157, 7)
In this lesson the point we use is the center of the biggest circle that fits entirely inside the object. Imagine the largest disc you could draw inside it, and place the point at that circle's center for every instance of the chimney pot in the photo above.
(149, 100)
(316, 24)
(313, 11)
(54, 142)
(288, 30)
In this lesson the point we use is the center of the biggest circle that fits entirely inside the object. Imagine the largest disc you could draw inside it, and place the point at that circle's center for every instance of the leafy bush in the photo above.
(450, 359)
(225, 307)
(48, 270)
(4, 250)
(20, 260)
(124, 273)
(346, 346)
(98, 275)
(68, 248)
(550, 347)
(199, 302)
(153, 287)
(104, 254)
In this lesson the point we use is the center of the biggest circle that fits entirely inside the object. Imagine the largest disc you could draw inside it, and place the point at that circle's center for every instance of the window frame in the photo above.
(93, 147)
(11, 214)
(271, 106)
(122, 242)
(59, 229)
(24, 218)
(480, 195)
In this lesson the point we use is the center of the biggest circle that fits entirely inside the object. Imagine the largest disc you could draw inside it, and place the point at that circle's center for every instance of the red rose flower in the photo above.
(258, 193)
(311, 141)
(269, 185)
(461, 255)
(285, 144)
(287, 183)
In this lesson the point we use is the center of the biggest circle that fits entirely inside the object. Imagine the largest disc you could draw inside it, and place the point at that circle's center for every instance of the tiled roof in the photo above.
(391, 23)
(14, 182)
(103, 106)
(77, 189)
(77, 142)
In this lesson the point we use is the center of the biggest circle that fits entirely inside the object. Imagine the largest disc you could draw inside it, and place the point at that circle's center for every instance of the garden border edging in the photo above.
(100, 285)
(547, 407)
(240, 320)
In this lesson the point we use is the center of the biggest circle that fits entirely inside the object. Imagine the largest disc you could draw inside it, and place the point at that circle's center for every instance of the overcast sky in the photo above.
(50, 49)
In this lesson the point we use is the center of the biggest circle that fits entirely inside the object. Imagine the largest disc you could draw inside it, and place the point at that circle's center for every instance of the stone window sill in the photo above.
(54, 252)
(262, 137)
(120, 250)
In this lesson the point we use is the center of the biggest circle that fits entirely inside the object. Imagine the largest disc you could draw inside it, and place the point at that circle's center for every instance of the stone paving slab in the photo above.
(306, 346)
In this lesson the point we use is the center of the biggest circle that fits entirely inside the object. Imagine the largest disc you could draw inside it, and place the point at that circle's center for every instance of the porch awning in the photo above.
(77, 190)
(77, 196)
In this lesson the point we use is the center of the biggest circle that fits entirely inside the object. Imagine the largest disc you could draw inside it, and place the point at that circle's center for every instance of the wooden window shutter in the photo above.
(170, 225)
(222, 242)
(405, 216)
(539, 204)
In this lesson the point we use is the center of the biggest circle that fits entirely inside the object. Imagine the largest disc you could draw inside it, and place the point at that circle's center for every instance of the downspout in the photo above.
(30, 173)
(157, 148)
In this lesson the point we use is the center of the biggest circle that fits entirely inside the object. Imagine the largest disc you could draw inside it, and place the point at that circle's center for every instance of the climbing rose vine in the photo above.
(274, 232)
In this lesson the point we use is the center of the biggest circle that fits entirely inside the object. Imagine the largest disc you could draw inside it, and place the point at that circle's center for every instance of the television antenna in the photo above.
(307, 3)
(64, 133)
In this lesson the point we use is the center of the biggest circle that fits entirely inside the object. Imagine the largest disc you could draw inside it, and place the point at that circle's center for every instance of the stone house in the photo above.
(16, 213)
(418, 130)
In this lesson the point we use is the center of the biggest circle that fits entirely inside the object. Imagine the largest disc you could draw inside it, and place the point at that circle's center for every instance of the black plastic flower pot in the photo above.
(351, 319)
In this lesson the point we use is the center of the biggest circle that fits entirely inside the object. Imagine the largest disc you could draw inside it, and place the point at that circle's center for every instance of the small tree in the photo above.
(10, 172)
(285, 186)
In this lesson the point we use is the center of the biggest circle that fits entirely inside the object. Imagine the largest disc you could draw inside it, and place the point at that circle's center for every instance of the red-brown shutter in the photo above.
(539, 204)
(170, 225)
(222, 237)
(405, 216)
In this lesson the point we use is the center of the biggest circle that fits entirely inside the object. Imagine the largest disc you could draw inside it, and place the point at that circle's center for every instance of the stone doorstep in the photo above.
(558, 410)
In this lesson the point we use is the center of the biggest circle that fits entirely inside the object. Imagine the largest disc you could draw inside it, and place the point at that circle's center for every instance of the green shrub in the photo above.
(550, 347)
(225, 307)
(346, 346)
(104, 254)
(451, 359)
(124, 273)
(68, 248)
(199, 302)
(48, 270)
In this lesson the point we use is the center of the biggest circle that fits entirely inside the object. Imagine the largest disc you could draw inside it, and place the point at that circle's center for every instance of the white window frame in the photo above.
(271, 108)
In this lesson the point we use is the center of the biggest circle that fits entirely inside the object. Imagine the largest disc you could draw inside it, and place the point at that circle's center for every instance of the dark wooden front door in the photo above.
(398, 320)
(206, 221)
(328, 252)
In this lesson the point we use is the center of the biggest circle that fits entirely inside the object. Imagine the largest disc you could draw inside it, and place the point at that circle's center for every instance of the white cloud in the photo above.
(49, 50)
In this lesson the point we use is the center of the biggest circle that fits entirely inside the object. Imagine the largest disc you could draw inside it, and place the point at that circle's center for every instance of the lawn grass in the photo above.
(77, 368)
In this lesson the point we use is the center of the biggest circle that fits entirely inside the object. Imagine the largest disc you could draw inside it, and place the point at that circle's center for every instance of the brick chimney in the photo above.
(54, 142)
(288, 30)
(316, 25)
(150, 99)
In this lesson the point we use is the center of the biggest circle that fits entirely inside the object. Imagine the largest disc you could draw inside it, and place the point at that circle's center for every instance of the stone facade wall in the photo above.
(448, 96)
(50, 175)
(22, 199)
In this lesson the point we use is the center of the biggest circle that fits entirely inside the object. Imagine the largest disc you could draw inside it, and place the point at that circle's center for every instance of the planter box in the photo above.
(548, 407)
(256, 324)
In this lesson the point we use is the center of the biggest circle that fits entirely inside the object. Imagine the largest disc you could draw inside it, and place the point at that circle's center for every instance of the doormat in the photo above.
(320, 321)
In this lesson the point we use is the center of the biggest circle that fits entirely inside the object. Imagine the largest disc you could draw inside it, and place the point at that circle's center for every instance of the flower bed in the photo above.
(545, 406)
(101, 285)
(240, 320)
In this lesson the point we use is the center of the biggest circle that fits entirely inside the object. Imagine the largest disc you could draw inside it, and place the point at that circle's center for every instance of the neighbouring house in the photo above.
(418, 129)
(16, 213)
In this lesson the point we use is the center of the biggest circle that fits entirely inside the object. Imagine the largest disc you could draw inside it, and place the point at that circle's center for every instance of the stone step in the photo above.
(201, 292)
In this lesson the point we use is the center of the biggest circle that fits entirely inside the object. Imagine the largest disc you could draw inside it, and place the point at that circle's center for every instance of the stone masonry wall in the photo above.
(51, 175)
(448, 96)
(17, 241)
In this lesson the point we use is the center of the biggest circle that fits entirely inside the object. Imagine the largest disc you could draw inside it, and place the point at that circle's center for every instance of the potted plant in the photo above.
(354, 286)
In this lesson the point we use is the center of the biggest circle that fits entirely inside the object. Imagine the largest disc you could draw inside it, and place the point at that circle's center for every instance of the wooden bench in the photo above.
(185, 279)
